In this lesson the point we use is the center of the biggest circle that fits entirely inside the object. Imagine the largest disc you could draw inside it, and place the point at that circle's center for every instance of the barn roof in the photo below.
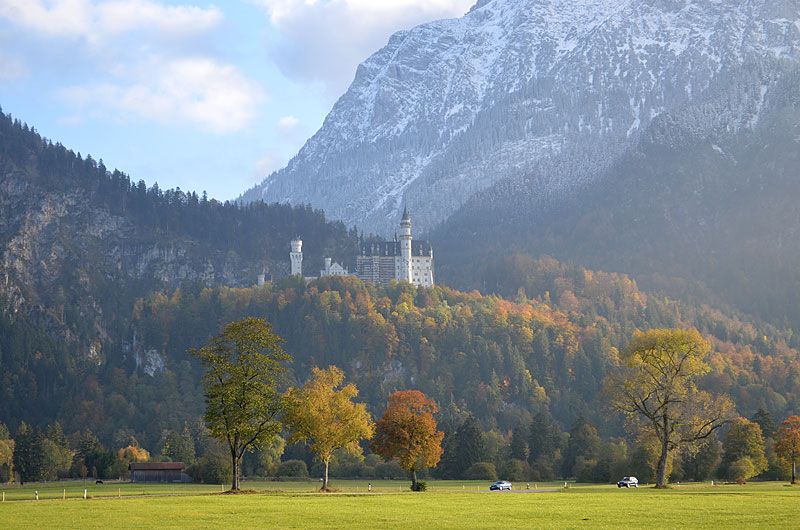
(156, 466)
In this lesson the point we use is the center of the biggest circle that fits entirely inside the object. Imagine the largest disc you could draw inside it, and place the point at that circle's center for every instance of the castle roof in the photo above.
(392, 249)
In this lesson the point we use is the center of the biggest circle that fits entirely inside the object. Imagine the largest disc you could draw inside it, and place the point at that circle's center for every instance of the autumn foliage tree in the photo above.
(244, 365)
(322, 412)
(656, 386)
(743, 451)
(127, 455)
(407, 432)
(6, 455)
(787, 443)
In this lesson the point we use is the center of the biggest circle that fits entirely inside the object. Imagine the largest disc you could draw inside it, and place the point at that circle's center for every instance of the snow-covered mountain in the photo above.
(451, 107)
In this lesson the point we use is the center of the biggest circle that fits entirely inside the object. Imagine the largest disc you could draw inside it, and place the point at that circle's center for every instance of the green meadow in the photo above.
(446, 505)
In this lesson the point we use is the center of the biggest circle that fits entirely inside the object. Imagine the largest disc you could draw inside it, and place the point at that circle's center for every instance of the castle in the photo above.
(403, 260)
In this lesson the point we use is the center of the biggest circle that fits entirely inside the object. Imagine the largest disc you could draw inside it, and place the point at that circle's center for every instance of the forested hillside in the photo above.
(501, 361)
(81, 243)
(106, 284)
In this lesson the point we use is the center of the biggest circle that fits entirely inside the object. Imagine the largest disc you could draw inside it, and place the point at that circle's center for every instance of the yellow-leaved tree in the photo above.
(323, 413)
(656, 386)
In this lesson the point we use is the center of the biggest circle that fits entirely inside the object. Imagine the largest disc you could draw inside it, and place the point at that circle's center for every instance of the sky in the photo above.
(189, 93)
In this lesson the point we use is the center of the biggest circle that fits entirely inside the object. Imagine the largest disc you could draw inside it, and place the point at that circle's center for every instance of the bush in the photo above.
(421, 486)
(481, 471)
(585, 469)
(544, 468)
(516, 470)
(390, 471)
(741, 470)
(211, 469)
(292, 469)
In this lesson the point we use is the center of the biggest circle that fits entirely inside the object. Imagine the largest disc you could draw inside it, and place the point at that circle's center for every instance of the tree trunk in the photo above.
(661, 470)
(413, 480)
(235, 468)
(325, 478)
(794, 472)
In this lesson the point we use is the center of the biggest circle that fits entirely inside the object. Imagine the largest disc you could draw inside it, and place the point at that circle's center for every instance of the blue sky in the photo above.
(192, 94)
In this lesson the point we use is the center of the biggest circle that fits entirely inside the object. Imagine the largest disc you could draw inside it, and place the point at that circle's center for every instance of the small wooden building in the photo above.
(157, 471)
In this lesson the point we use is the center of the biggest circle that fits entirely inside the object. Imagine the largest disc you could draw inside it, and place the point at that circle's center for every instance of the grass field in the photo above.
(446, 505)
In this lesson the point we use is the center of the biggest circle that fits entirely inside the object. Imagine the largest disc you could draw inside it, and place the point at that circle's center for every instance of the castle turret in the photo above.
(404, 274)
(297, 257)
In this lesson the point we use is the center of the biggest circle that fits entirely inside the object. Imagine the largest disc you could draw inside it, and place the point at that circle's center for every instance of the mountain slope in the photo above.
(449, 108)
(705, 195)
(80, 244)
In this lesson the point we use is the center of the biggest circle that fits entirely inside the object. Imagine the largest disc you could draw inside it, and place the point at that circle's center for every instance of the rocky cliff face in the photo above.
(79, 244)
(74, 267)
(449, 108)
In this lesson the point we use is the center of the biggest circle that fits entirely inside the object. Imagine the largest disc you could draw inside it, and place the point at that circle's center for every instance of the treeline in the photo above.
(536, 452)
(541, 451)
(35, 455)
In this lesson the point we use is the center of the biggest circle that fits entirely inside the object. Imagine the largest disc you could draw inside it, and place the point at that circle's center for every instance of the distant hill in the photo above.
(80, 243)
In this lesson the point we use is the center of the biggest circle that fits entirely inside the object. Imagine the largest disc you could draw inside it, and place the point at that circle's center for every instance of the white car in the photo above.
(628, 482)
(500, 485)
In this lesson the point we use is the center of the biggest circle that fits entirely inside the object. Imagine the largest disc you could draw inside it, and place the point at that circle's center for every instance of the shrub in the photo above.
(741, 470)
(421, 486)
(516, 470)
(481, 471)
(390, 470)
(211, 469)
(292, 469)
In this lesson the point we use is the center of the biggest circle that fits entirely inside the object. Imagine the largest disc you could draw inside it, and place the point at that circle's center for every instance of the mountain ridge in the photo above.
(451, 107)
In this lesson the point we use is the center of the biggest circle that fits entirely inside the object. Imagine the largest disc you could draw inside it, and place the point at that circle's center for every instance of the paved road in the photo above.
(540, 490)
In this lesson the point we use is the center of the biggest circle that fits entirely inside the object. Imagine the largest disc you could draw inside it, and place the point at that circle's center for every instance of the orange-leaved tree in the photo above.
(787, 443)
(407, 431)
(326, 416)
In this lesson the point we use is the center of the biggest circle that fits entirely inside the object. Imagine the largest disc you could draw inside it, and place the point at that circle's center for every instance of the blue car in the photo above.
(500, 485)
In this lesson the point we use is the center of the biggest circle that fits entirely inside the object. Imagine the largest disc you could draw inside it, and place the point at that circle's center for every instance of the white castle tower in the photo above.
(297, 257)
(404, 272)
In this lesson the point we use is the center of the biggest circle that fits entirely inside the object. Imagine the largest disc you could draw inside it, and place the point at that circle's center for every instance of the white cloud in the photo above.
(288, 122)
(147, 59)
(324, 40)
(199, 91)
(96, 21)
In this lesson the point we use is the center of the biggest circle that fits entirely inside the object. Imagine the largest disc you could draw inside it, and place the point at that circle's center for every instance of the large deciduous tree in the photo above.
(407, 431)
(656, 385)
(743, 451)
(787, 443)
(244, 366)
(322, 412)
